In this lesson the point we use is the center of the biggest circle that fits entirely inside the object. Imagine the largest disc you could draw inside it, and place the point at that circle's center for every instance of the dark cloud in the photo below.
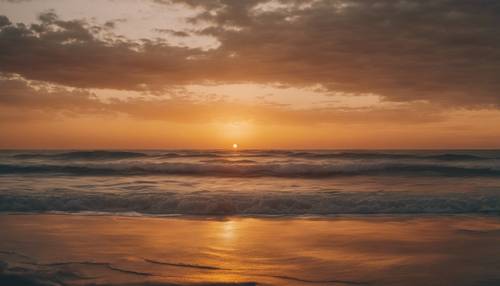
(111, 24)
(4, 21)
(71, 53)
(173, 32)
(445, 51)
(404, 50)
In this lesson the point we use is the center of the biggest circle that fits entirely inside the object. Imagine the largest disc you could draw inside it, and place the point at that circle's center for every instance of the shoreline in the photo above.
(370, 250)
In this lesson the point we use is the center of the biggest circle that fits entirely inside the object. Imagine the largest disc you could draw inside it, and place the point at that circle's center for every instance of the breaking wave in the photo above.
(169, 203)
(247, 169)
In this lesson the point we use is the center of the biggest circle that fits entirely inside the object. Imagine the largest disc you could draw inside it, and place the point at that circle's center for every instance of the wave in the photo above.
(364, 155)
(254, 170)
(82, 155)
(225, 154)
(459, 157)
(190, 154)
(256, 203)
(377, 155)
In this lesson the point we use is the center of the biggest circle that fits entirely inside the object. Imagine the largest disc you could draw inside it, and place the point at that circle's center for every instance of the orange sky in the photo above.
(263, 74)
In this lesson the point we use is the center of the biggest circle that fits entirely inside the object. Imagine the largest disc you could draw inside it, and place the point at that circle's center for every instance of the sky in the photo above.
(319, 74)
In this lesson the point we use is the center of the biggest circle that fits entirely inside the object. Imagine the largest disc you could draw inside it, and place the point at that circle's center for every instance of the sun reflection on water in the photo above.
(228, 231)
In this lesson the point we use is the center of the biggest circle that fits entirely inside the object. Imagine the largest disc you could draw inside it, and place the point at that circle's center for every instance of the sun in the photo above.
(235, 146)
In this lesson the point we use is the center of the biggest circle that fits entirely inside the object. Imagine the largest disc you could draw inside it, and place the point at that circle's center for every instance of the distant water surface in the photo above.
(251, 182)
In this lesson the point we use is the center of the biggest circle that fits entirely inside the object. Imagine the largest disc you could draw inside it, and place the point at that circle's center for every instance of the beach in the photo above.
(346, 250)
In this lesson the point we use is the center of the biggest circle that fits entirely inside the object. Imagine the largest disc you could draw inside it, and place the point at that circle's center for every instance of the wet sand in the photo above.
(113, 250)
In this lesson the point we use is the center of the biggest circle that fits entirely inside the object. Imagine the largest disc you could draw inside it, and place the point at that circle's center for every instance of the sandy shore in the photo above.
(110, 250)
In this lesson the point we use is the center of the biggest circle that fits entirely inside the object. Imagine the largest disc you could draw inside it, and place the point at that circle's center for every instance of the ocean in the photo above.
(249, 217)
(250, 182)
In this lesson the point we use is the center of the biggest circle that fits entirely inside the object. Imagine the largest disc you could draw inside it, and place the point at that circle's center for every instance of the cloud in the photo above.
(19, 93)
(404, 50)
(4, 21)
(173, 32)
(445, 52)
(72, 53)
(24, 100)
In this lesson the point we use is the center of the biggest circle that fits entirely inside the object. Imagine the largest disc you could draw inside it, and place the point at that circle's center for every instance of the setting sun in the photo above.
(235, 146)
